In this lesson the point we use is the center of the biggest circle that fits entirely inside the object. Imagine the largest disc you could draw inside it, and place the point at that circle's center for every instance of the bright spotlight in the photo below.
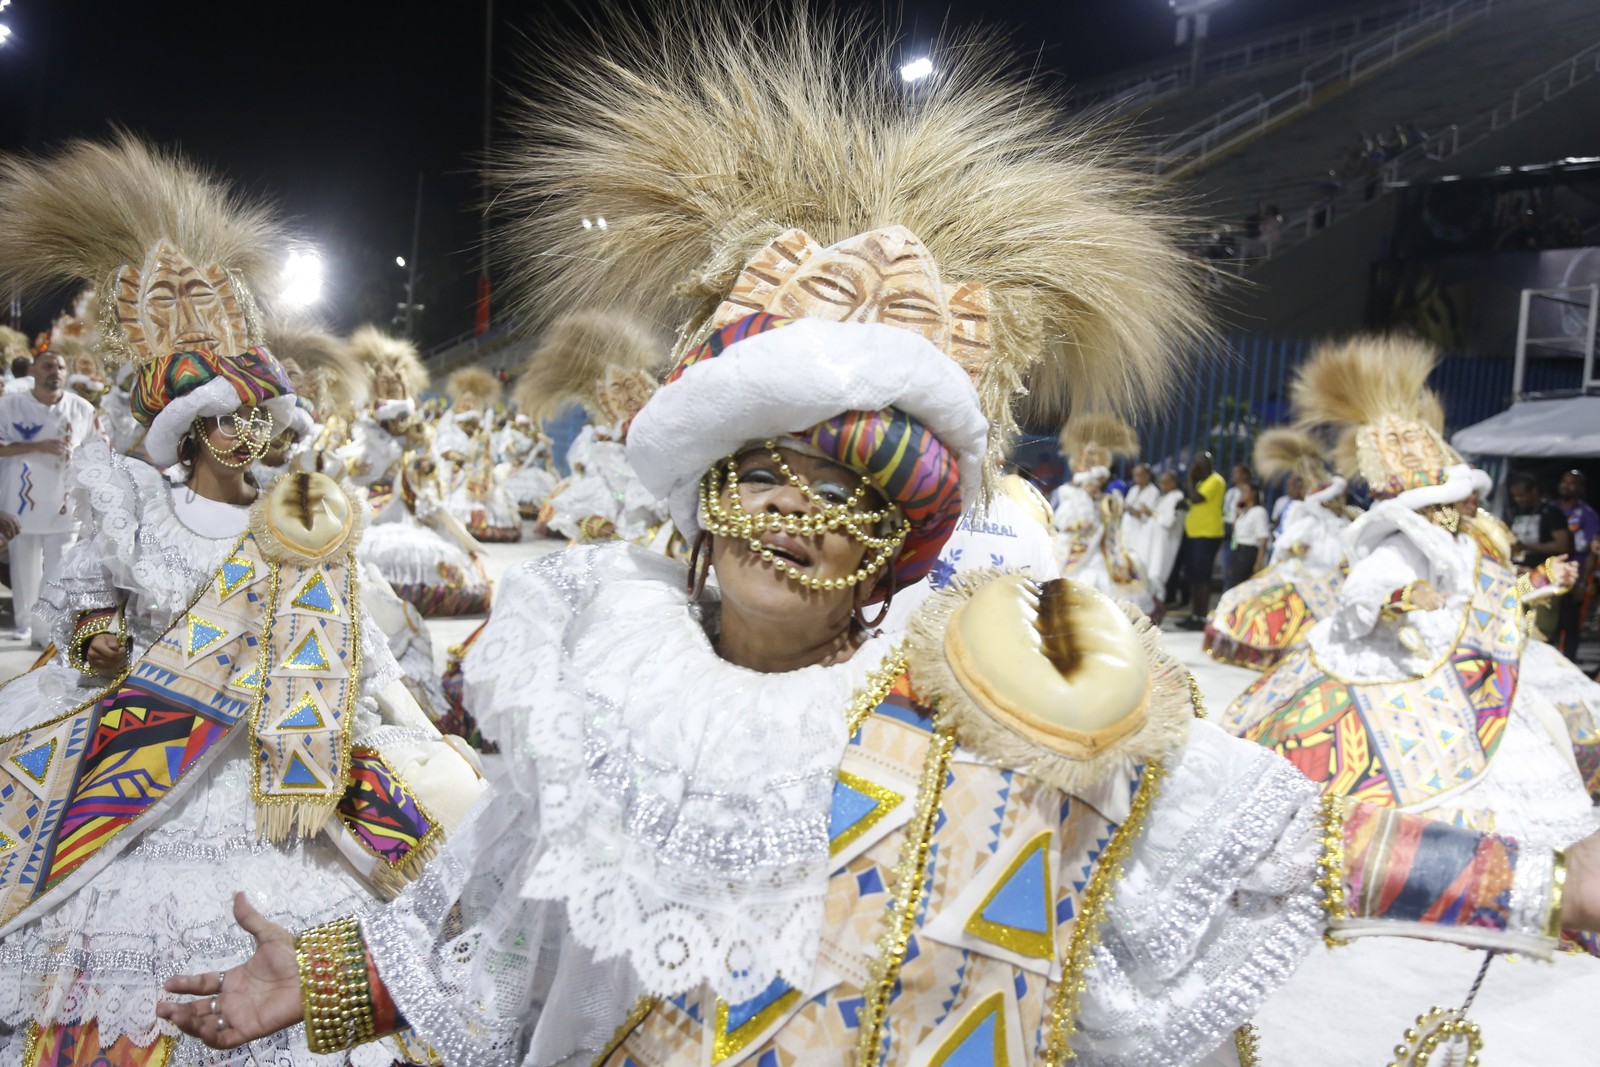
(5, 31)
(302, 279)
(400, 261)
(917, 69)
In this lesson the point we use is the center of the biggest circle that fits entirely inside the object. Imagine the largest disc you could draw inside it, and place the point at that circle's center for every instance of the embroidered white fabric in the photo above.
(1215, 908)
(668, 830)
(1319, 530)
(164, 905)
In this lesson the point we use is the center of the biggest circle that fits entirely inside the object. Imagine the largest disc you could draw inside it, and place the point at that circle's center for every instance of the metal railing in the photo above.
(1533, 94)
(1245, 55)
(1244, 120)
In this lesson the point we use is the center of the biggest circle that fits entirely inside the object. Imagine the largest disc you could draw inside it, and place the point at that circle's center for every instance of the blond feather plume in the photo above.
(1355, 382)
(1284, 450)
(476, 383)
(1098, 430)
(335, 380)
(380, 352)
(14, 345)
(574, 355)
(706, 132)
(91, 207)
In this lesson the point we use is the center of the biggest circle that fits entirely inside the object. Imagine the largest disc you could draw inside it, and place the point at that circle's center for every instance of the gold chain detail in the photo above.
(909, 875)
(1247, 1044)
(636, 1014)
(876, 688)
(1063, 1021)
(1331, 813)
(1195, 698)
(334, 994)
(1433, 1029)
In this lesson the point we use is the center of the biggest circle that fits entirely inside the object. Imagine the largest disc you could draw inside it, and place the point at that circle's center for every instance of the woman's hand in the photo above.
(1563, 573)
(105, 653)
(1426, 598)
(257, 998)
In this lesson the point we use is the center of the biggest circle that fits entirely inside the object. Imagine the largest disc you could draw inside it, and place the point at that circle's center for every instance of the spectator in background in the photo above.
(1202, 529)
(1238, 476)
(1538, 531)
(1140, 535)
(21, 376)
(1251, 530)
(1167, 525)
(1294, 488)
(38, 431)
(1583, 523)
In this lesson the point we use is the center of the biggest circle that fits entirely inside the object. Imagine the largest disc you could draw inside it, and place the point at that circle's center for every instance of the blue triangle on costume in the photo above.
(1020, 904)
(201, 634)
(978, 1050)
(849, 808)
(305, 717)
(739, 1014)
(234, 573)
(297, 773)
(315, 596)
(309, 655)
(1483, 617)
(36, 761)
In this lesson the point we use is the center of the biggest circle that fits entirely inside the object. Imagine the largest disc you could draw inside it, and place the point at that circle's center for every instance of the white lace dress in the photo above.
(637, 761)
(164, 905)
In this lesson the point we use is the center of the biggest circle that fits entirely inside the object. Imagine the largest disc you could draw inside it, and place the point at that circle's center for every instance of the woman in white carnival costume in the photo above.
(525, 450)
(1088, 520)
(746, 827)
(604, 360)
(420, 547)
(219, 712)
(1410, 692)
(478, 497)
(1261, 620)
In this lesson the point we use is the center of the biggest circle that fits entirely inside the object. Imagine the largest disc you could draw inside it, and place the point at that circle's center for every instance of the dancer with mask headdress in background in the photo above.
(1088, 519)
(464, 439)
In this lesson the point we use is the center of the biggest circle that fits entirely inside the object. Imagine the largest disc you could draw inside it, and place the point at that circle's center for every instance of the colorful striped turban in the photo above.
(171, 391)
(834, 379)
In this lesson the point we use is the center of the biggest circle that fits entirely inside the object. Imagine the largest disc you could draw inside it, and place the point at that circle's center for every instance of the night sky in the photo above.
(332, 109)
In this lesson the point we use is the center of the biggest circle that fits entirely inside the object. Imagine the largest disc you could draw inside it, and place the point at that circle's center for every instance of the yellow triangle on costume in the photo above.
(235, 573)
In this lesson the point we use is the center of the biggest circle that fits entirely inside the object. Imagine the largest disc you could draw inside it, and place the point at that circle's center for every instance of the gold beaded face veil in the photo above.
(253, 429)
(835, 508)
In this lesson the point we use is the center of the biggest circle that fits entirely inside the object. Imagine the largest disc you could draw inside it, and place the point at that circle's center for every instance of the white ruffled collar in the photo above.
(684, 800)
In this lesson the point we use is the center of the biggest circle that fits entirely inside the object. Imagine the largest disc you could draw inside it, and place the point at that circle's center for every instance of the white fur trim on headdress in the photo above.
(1458, 484)
(1482, 482)
(216, 397)
(301, 422)
(1093, 474)
(394, 409)
(1327, 492)
(787, 380)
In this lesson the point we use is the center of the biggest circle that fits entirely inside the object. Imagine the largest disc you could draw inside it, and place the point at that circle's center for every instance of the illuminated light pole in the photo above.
(916, 70)
(1194, 24)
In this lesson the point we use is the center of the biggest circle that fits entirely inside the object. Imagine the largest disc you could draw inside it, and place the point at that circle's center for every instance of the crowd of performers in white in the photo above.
(828, 737)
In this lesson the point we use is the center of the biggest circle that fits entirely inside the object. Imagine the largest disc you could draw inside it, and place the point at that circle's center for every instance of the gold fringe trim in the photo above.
(636, 1014)
(1168, 698)
(910, 874)
(1247, 1044)
(1092, 915)
(1331, 813)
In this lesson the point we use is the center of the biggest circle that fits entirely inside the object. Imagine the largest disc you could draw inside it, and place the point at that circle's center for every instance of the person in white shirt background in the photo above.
(39, 429)
(1166, 525)
(21, 380)
(1251, 531)
(1140, 534)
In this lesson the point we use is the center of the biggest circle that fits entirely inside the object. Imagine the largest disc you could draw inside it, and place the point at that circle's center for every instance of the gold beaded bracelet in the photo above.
(334, 989)
(1558, 892)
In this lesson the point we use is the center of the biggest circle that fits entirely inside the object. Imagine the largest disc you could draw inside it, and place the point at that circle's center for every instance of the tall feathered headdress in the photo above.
(14, 345)
(1092, 438)
(576, 355)
(177, 258)
(382, 353)
(728, 154)
(474, 383)
(1372, 389)
(333, 379)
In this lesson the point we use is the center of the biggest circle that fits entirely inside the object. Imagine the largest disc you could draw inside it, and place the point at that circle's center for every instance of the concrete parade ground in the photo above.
(1346, 1006)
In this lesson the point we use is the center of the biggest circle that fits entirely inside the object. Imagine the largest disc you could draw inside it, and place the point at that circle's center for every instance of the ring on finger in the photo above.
(221, 1024)
(213, 1005)
(221, 977)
